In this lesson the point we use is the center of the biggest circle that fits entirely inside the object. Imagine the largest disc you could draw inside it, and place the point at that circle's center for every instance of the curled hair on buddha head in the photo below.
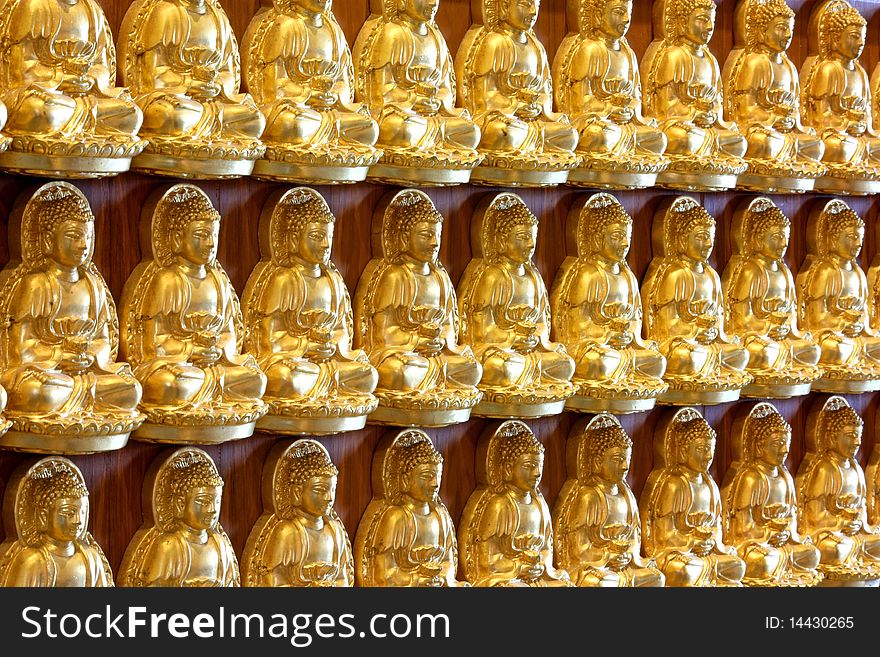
(759, 221)
(505, 213)
(677, 12)
(834, 417)
(50, 479)
(295, 210)
(183, 471)
(511, 440)
(836, 16)
(409, 449)
(599, 213)
(836, 218)
(763, 422)
(407, 209)
(759, 15)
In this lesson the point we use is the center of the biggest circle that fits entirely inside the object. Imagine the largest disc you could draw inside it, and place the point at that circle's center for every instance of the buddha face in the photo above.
(311, 6)
(70, 244)
(851, 41)
(846, 441)
(422, 11)
(773, 449)
(522, 14)
(422, 242)
(525, 472)
(613, 464)
(777, 37)
(66, 519)
(615, 19)
(700, 25)
(615, 241)
(699, 241)
(317, 495)
(847, 243)
(198, 241)
(200, 507)
(422, 483)
(774, 243)
(519, 243)
(697, 454)
(314, 243)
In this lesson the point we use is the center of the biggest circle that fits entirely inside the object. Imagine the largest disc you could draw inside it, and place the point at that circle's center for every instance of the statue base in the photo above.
(412, 417)
(191, 169)
(776, 391)
(846, 181)
(403, 175)
(601, 179)
(193, 435)
(674, 397)
(775, 184)
(63, 166)
(842, 386)
(23, 441)
(317, 426)
(309, 174)
(582, 404)
(498, 177)
(697, 182)
(507, 410)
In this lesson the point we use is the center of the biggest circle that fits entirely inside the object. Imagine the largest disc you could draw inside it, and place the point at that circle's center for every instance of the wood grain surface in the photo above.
(115, 479)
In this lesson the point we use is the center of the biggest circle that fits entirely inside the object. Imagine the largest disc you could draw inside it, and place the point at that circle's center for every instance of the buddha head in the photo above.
(62, 503)
(519, 15)
(65, 226)
(768, 439)
(419, 11)
(312, 479)
(841, 233)
(694, 443)
(694, 233)
(605, 229)
(193, 225)
(308, 6)
(840, 432)
(842, 31)
(609, 452)
(690, 20)
(769, 24)
(512, 230)
(521, 458)
(413, 228)
(196, 490)
(767, 232)
(609, 18)
(421, 469)
(302, 228)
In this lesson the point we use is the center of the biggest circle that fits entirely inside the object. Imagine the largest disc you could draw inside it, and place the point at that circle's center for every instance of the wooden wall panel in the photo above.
(115, 479)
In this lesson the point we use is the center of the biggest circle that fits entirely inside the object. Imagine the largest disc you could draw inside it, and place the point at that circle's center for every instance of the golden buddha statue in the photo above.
(759, 503)
(181, 542)
(299, 540)
(681, 507)
(832, 495)
(762, 94)
(505, 83)
(66, 116)
(596, 81)
(597, 314)
(872, 476)
(684, 309)
(683, 92)
(183, 328)
(506, 532)
(299, 69)
(298, 320)
(60, 333)
(405, 75)
(760, 305)
(833, 300)
(406, 536)
(505, 316)
(836, 100)
(406, 319)
(180, 59)
(596, 517)
(48, 544)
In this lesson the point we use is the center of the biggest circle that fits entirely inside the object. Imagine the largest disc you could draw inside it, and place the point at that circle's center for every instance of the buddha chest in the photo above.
(75, 24)
(321, 545)
(205, 297)
(530, 517)
(701, 495)
(524, 290)
(618, 508)
(319, 44)
(70, 571)
(204, 563)
(704, 70)
(781, 76)
(75, 301)
(319, 293)
(428, 290)
(428, 530)
(777, 490)
(204, 32)
(426, 52)
(526, 58)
